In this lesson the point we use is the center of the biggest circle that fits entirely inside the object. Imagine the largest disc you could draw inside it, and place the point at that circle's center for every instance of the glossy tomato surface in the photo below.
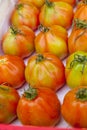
(25, 14)
(53, 40)
(12, 70)
(76, 69)
(18, 41)
(56, 13)
(39, 107)
(9, 98)
(74, 107)
(45, 70)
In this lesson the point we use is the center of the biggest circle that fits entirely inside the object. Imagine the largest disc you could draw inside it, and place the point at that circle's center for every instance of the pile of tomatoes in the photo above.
(38, 32)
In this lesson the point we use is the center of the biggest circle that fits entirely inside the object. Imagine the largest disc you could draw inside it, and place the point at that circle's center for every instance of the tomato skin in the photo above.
(49, 72)
(71, 2)
(62, 17)
(76, 114)
(80, 13)
(37, 3)
(39, 111)
(9, 98)
(20, 44)
(76, 41)
(25, 14)
(12, 70)
(53, 41)
(75, 65)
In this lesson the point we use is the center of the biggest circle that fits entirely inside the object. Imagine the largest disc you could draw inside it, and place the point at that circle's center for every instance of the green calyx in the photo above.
(48, 3)
(15, 30)
(31, 93)
(81, 94)
(19, 6)
(43, 29)
(40, 58)
(79, 59)
(80, 24)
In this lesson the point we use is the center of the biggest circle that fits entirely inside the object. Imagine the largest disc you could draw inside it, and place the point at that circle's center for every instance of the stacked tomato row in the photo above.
(39, 31)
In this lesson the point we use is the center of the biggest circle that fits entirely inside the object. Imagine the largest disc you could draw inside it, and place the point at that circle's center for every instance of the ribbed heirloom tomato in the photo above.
(77, 39)
(52, 39)
(39, 107)
(76, 69)
(25, 14)
(9, 98)
(71, 2)
(45, 70)
(37, 3)
(74, 107)
(18, 41)
(56, 13)
(12, 70)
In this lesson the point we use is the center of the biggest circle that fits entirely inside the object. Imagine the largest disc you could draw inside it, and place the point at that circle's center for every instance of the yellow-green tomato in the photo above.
(52, 39)
(76, 69)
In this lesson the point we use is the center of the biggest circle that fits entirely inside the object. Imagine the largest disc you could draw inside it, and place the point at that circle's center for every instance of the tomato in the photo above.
(45, 70)
(12, 70)
(18, 41)
(76, 69)
(9, 98)
(25, 14)
(53, 40)
(56, 13)
(35, 109)
(76, 102)
(71, 2)
(37, 3)
(80, 13)
(77, 38)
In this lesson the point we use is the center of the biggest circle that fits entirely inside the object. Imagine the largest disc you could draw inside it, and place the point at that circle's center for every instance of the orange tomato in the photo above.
(56, 13)
(39, 107)
(12, 70)
(78, 36)
(45, 70)
(53, 40)
(18, 41)
(74, 107)
(37, 3)
(25, 14)
(9, 98)
(71, 2)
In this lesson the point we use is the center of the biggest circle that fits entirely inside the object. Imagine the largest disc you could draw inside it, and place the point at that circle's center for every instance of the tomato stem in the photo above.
(31, 93)
(15, 31)
(42, 28)
(80, 24)
(82, 94)
(19, 6)
(39, 58)
(79, 59)
(48, 3)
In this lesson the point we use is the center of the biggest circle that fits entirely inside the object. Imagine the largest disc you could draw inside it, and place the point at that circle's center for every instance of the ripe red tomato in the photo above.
(53, 40)
(74, 107)
(37, 3)
(12, 70)
(25, 14)
(45, 70)
(56, 13)
(18, 41)
(39, 107)
(9, 98)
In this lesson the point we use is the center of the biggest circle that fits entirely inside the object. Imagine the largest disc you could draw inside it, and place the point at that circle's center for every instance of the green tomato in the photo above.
(76, 69)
